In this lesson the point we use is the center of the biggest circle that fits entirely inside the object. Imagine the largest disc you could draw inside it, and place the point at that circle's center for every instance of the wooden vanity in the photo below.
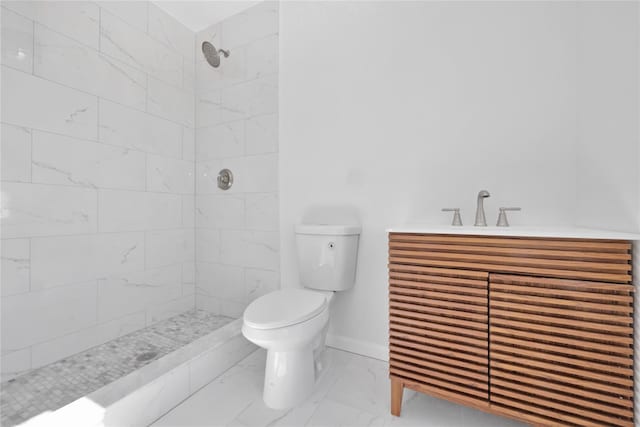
(539, 329)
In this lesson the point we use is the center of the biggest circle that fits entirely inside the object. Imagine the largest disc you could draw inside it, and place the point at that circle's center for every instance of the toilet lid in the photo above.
(284, 308)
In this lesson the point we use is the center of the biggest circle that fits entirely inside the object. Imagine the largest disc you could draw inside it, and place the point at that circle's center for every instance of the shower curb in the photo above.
(143, 396)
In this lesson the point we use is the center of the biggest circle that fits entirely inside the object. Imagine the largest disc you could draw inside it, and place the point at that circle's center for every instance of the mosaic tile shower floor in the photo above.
(60, 383)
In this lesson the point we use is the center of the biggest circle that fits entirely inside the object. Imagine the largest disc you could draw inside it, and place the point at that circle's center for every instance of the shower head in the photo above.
(212, 55)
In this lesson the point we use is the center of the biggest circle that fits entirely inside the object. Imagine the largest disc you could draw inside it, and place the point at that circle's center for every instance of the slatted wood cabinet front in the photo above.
(535, 329)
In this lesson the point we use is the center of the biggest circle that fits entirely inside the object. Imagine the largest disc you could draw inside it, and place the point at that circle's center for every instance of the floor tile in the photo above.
(352, 391)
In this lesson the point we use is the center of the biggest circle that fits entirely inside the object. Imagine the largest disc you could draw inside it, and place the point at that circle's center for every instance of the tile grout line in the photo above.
(93, 94)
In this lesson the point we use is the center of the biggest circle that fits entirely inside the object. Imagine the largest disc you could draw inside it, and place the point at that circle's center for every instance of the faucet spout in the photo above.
(481, 220)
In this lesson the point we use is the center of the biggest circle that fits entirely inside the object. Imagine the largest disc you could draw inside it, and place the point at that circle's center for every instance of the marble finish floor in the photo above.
(60, 383)
(353, 392)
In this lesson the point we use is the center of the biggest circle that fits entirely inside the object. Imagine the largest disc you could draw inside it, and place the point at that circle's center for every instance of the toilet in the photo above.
(291, 324)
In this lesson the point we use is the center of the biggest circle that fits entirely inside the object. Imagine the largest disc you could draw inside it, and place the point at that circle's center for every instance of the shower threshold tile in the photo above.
(53, 386)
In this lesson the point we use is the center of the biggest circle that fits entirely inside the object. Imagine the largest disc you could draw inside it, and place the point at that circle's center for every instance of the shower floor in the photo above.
(60, 383)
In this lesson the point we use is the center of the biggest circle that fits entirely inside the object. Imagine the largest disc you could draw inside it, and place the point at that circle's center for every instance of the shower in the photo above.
(212, 55)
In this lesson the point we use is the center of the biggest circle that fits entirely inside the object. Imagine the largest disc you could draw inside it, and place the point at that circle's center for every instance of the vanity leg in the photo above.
(396, 397)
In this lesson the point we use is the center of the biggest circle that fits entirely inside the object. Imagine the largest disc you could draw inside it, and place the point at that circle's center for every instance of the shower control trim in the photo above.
(225, 179)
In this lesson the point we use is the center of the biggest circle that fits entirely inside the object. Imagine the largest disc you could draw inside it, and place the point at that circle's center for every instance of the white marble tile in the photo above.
(252, 24)
(76, 19)
(231, 308)
(15, 363)
(40, 104)
(209, 304)
(16, 153)
(17, 41)
(167, 175)
(171, 308)
(170, 102)
(364, 385)
(217, 360)
(235, 399)
(64, 60)
(261, 211)
(170, 32)
(188, 210)
(257, 249)
(262, 57)
(233, 70)
(75, 342)
(189, 75)
(188, 276)
(168, 247)
(222, 141)
(70, 259)
(217, 404)
(120, 40)
(92, 165)
(132, 292)
(207, 245)
(188, 144)
(46, 313)
(221, 281)
(233, 247)
(208, 109)
(225, 211)
(16, 266)
(133, 210)
(260, 282)
(251, 98)
(261, 173)
(331, 413)
(134, 129)
(134, 12)
(262, 134)
(262, 249)
(150, 401)
(43, 210)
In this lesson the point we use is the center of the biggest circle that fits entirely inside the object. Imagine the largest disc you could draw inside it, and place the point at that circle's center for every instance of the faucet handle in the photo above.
(457, 220)
(502, 216)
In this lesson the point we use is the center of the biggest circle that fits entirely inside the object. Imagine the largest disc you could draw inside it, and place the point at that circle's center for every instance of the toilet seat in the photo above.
(283, 308)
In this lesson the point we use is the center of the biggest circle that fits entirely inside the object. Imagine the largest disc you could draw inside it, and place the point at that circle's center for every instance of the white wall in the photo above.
(97, 175)
(399, 109)
(608, 114)
(237, 239)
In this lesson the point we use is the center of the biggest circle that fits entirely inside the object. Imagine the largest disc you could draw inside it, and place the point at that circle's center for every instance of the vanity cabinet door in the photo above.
(438, 331)
(561, 351)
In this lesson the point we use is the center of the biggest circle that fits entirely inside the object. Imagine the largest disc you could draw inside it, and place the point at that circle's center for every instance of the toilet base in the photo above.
(289, 377)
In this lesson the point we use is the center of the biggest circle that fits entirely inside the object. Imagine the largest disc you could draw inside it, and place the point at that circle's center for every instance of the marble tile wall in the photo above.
(98, 163)
(236, 127)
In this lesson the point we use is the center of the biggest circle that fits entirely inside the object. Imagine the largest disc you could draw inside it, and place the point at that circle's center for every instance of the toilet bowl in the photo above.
(291, 324)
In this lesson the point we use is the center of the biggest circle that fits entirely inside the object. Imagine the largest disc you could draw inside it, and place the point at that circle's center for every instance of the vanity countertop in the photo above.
(566, 232)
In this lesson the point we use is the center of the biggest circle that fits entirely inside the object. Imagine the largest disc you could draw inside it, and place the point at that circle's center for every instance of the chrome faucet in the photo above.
(481, 221)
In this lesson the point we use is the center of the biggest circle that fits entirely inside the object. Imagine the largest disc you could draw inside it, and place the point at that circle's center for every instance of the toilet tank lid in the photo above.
(328, 229)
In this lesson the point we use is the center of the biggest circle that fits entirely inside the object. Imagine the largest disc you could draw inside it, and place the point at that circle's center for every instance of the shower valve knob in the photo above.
(225, 179)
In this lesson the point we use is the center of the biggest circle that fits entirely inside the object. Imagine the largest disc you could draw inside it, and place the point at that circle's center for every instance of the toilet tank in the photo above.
(327, 255)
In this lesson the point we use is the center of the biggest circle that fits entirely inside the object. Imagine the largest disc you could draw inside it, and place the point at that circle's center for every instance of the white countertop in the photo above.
(517, 231)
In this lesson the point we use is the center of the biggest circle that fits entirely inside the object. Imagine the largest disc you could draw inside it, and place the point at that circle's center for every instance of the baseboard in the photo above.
(363, 348)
